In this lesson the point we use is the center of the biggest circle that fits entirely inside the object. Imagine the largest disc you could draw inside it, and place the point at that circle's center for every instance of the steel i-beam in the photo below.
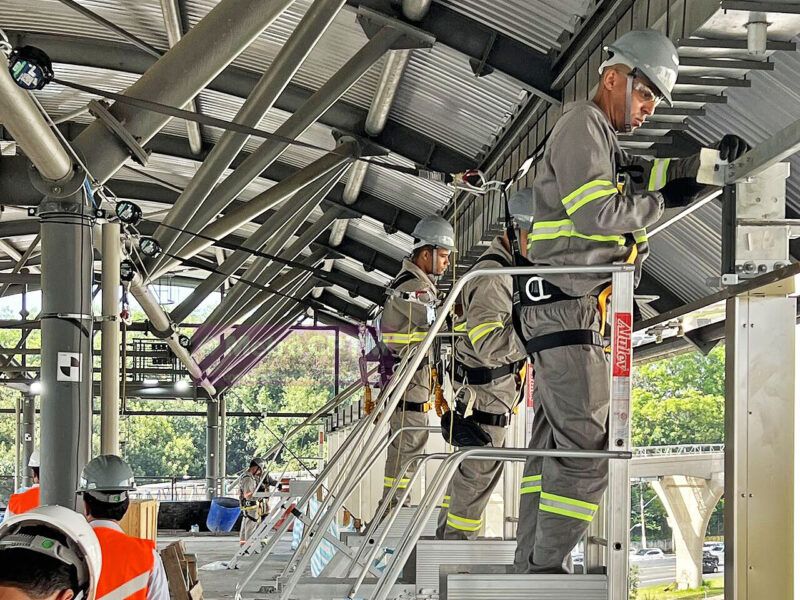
(303, 39)
(177, 77)
(395, 35)
(269, 238)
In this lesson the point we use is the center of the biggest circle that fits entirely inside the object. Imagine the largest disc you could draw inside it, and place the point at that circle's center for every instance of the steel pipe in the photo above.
(172, 24)
(388, 84)
(109, 340)
(415, 10)
(161, 322)
(177, 77)
(278, 193)
(301, 120)
(269, 238)
(212, 445)
(21, 117)
(27, 436)
(191, 207)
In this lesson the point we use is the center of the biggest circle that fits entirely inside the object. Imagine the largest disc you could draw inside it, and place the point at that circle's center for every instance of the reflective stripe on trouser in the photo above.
(571, 395)
(470, 491)
(404, 446)
(128, 588)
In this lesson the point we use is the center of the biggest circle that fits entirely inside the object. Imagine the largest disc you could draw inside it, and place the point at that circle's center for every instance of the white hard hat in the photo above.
(434, 231)
(651, 53)
(34, 459)
(108, 478)
(520, 208)
(82, 550)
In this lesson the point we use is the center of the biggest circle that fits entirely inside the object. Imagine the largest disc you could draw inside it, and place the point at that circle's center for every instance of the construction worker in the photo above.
(251, 508)
(25, 500)
(132, 568)
(593, 204)
(488, 362)
(48, 553)
(407, 315)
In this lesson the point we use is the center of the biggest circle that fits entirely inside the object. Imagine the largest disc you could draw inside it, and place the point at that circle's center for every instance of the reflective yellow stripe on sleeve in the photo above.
(460, 327)
(404, 339)
(658, 174)
(595, 189)
(483, 329)
(389, 482)
(640, 235)
(549, 230)
(463, 524)
(446, 502)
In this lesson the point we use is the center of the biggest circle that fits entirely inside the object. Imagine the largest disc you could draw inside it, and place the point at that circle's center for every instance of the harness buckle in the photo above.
(539, 294)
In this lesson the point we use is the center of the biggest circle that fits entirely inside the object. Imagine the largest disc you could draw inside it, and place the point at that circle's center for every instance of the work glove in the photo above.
(731, 147)
(681, 192)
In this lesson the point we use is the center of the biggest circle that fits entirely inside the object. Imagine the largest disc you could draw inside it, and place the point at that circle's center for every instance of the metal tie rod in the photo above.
(324, 518)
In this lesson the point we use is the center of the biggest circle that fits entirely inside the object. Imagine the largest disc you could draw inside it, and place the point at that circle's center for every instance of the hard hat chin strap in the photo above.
(628, 103)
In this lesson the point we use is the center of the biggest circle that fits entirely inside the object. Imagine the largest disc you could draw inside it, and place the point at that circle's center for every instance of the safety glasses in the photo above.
(645, 93)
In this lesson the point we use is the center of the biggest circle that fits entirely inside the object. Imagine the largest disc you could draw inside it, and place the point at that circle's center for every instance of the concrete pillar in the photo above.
(26, 436)
(689, 502)
(212, 446)
(109, 342)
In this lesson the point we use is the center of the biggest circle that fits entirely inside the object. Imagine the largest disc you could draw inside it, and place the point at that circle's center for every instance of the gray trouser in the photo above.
(248, 526)
(559, 496)
(468, 493)
(408, 443)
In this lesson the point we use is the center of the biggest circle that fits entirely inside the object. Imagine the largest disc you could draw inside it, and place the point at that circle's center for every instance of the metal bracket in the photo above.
(412, 39)
(75, 316)
(366, 147)
(158, 333)
(99, 111)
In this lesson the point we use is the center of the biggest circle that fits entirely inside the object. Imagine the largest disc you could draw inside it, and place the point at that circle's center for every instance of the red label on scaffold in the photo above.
(622, 345)
(529, 384)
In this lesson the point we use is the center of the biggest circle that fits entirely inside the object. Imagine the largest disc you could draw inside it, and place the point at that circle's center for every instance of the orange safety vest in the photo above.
(24, 501)
(127, 564)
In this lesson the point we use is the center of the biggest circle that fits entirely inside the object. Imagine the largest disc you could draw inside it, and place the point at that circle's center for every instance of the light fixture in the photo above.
(30, 68)
(128, 212)
(36, 388)
(149, 247)
(182, 385)
(150, 381)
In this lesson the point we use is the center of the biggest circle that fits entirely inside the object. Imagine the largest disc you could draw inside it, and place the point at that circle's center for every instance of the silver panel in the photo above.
(526, 587)
(433, 554)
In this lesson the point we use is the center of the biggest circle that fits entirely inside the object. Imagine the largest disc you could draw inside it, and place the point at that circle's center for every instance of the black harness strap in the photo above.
(402, 278)
(483, 375)
(484, 418)
(570, 337)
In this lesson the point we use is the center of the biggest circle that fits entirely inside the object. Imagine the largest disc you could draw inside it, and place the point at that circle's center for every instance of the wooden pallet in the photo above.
(181, 570)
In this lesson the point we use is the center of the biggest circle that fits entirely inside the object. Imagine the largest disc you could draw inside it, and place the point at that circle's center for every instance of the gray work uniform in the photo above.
(490, 343)
(250, 507)
(586, 213)
(404, 325)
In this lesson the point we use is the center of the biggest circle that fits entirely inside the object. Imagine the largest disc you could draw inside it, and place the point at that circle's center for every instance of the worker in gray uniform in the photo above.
(251, 509)
(488, 363)
(593, 205)
(407, 315)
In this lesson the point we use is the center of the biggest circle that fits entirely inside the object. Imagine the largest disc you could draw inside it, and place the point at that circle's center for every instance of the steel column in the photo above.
(28, 428)
(241, 293)
(190, 208)
(274, 232)
(110, 340)
(172, 23)
(177, 77)
(223, 442)
(66, 375)
(301, 120)
(759, 446)
(212, 446)
(246, 212)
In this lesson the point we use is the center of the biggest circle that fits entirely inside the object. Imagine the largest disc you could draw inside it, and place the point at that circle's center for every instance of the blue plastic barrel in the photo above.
(223, 514)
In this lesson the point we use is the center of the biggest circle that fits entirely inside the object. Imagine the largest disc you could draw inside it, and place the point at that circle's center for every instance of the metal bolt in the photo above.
(758, 199)
(56, 189)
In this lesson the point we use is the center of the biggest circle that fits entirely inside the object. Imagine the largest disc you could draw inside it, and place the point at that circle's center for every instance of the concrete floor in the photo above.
(211, 548)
